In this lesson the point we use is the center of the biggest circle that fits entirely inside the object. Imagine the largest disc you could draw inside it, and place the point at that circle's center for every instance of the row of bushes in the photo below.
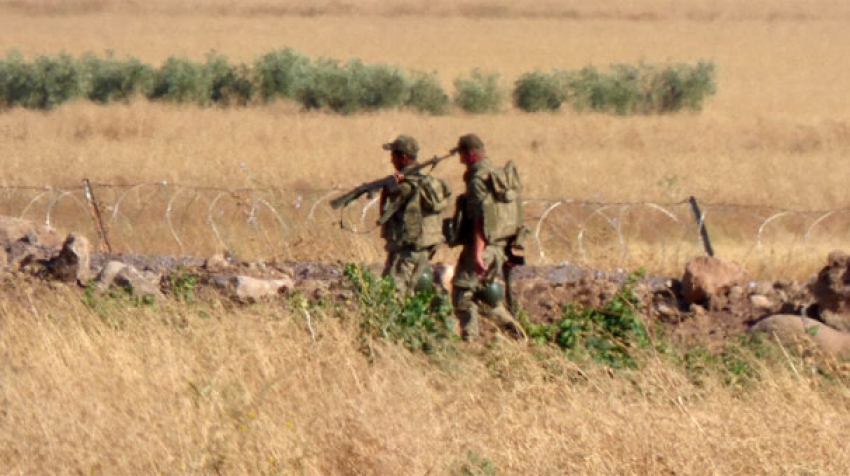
(346, 88)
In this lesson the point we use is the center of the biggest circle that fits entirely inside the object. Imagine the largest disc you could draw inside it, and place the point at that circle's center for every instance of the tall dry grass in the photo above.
(212, 389)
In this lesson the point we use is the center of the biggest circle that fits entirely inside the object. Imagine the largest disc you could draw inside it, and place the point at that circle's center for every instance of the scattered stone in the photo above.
(246, 288)
(761, 301)
(736, 293)
(216, 261)
(696, 309)
(666, 311)
(761, 287)
(138, 283)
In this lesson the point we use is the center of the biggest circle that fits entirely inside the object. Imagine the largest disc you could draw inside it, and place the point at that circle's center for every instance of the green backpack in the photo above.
(503, 217)
(421, 225)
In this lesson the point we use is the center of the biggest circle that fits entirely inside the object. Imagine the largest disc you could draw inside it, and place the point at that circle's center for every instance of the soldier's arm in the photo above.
(478, 192)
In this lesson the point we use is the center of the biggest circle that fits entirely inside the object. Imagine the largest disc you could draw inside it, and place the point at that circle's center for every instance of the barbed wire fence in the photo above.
(299, 224)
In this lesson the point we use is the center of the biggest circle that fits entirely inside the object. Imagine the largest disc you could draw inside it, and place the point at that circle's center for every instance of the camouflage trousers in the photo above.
(405, 266)
(469, 309)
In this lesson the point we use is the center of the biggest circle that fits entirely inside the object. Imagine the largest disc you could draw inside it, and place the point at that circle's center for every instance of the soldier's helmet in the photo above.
(492, 294)
(425, 281)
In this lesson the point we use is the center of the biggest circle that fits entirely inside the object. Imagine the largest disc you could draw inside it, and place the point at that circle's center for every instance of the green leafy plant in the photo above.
(478, 93)
(476, 465)
(110, 79)
(421, 322)
(179, 80)
(735, 363)
(539, 91)
(426, 95)
(181, 284)
(643, 89)
(228, 84)
(609, 335)
(278, 73)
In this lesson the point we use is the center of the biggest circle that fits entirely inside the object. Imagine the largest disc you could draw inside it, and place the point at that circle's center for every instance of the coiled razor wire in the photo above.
(578, 226)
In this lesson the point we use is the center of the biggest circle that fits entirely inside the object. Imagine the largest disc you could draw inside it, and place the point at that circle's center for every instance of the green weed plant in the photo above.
(421, 322)
(610, 335)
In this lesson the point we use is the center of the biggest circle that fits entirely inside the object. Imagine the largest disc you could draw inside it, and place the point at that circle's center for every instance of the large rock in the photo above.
(15, 229)
(708, 278)
(792, 330)
(246, 288)
(72, 262)
(137, 283)
(831, 290)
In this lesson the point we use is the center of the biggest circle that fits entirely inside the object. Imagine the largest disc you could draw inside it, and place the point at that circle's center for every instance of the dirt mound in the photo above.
(709, 304)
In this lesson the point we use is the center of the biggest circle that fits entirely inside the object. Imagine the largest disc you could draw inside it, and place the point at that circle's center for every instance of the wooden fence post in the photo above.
(95, 211)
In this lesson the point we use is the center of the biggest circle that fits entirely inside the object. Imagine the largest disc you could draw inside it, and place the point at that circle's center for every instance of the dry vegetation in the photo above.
(209, 388)
(205, 389)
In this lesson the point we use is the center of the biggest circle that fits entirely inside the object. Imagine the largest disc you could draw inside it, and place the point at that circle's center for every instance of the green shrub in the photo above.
(617, 91)
(57, 81)
(16, 80)
(277, 73)
(539, 91)
(419, 322)
(227, 84)
(327, 85)
(426, 94)
(479, 93)
(608, 335)
(110, 79)
(43, 84)
(180, 80)
(643, 89)
(380, 86)
(682, 86)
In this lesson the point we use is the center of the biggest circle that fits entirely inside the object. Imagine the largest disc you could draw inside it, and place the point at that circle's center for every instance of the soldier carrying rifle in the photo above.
(488, 223)
(411, 202)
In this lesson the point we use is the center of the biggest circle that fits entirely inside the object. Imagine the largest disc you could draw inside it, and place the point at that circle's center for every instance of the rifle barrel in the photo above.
(354, 194)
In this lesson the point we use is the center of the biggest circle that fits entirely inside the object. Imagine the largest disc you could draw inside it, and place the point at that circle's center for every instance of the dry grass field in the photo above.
(210, 389)
(203, 389)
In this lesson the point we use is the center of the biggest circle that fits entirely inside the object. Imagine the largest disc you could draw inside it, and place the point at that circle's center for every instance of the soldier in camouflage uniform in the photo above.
(481, 261)
(410, 222)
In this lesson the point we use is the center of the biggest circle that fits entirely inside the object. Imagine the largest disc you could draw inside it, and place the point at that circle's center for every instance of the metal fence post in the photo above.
(95, 211)
(703, 232)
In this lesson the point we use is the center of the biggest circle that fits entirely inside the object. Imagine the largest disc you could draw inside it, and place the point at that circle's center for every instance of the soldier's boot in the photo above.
(503, 318)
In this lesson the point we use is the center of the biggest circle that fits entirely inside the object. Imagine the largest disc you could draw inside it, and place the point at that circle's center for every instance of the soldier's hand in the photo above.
(399, 178)
(481, 268)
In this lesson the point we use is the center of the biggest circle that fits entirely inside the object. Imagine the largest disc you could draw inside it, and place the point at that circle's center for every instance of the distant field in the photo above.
(776, 133)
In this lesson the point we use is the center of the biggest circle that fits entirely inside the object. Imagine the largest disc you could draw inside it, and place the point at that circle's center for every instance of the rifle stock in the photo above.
(375, 185)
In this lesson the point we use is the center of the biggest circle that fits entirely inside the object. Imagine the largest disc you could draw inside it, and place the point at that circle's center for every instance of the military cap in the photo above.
(404, 144)
(470, 142)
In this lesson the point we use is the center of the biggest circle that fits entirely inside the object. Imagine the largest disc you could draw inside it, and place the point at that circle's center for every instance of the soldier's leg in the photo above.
(466, 311)
(503, 319)
(401, 266)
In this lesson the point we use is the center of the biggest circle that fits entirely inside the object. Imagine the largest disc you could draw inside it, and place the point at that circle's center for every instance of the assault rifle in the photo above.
(388, 181)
